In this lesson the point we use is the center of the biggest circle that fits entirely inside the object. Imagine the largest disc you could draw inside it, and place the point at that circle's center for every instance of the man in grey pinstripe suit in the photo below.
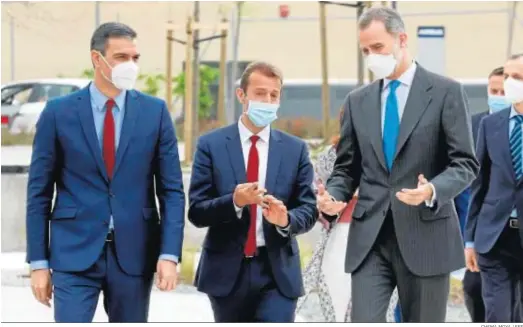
(406, 142)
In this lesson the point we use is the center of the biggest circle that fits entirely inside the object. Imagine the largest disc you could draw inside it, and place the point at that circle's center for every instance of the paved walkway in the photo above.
(18, 305)
(177, 306)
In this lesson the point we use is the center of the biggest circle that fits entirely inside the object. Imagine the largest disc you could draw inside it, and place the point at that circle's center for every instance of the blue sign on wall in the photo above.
(431, 31)
(431, 48)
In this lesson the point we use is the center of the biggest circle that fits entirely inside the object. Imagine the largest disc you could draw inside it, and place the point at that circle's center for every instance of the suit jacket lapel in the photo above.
(273, 167)
(273, 162)
(417, 102)
(132, 110)
(234, 149)
(501, 140)
(85, 113)
(374, 118)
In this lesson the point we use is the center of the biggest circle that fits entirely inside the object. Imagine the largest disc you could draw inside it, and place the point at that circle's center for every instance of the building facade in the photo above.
(52, 38)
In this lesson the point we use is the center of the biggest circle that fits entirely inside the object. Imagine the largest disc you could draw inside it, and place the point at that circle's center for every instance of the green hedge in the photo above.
(19, 139)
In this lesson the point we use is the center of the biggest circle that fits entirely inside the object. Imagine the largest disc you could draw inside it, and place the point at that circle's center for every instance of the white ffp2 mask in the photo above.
(513, 90)
(381, 65)
(123, 75)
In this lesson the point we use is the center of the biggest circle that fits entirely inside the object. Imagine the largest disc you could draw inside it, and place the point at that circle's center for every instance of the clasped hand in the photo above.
(166, 275)
(326, 204)
(273, 209)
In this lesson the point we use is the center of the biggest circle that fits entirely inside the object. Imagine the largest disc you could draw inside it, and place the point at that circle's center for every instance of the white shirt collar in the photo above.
(406, 78)
(513, 112)
(245, 133)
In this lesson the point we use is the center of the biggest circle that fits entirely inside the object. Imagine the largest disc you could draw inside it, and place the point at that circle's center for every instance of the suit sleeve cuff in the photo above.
(238, 210)
(40, 264)
(469, 245)
(169, 257)
(329, 217)
(430, 203)
(284, 231)
(339, 213)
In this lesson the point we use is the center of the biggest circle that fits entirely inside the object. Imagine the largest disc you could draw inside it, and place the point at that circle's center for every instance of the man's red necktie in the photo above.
(109, 138)
(252, 176)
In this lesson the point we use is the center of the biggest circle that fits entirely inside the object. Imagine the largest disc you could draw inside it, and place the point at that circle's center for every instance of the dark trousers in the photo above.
(255, 296)
(126, 298)
(473, 297)
(423, 299)
(501, 277)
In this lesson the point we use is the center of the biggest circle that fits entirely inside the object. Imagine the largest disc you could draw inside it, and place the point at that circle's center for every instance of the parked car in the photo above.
(23, 101)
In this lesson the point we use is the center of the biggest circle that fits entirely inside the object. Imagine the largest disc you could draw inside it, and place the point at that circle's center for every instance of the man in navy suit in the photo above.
(493, 235)
(472, 279)
(251, 186)
(104, 148)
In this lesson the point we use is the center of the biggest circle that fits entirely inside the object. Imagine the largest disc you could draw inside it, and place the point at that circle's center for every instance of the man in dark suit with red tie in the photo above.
(251, 186)
(108, 150)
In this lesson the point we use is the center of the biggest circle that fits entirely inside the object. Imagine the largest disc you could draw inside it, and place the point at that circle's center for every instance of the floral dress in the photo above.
(314, 278)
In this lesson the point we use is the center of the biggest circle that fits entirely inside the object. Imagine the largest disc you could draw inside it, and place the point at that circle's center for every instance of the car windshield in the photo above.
(31, 93)
(9, 92)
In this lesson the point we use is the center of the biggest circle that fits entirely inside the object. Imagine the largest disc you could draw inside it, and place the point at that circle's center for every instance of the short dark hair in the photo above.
(107, 31)
(516, 56)
(496, 72)
(262, 67)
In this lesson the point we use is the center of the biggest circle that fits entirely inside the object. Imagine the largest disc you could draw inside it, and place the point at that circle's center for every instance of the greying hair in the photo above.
(388, 16)
(110, 30)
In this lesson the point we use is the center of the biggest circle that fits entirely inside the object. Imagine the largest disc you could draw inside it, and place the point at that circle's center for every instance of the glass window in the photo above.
(53, 91)
(16, 94)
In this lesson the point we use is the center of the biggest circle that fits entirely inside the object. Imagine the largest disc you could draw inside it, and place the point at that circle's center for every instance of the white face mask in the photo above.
(124, 75)
(380, 65)
(513, 90)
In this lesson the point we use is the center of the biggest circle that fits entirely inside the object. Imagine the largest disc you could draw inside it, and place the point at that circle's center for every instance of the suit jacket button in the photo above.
(111, 194)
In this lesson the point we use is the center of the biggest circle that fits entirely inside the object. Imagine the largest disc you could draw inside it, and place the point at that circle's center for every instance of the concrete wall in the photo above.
(14, 193)
(14, 197)
(53, 37)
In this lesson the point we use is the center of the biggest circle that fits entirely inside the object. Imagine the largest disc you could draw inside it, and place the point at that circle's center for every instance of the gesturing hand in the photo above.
(415, 197)
(248, 193)
(275, 211)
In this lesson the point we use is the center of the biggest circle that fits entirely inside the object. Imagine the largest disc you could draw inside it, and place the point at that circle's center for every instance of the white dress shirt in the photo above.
(402, 94)
(262, 145)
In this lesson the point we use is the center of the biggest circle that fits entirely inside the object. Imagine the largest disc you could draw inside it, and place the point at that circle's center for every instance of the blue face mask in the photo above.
(497, 103)
(262, 114)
